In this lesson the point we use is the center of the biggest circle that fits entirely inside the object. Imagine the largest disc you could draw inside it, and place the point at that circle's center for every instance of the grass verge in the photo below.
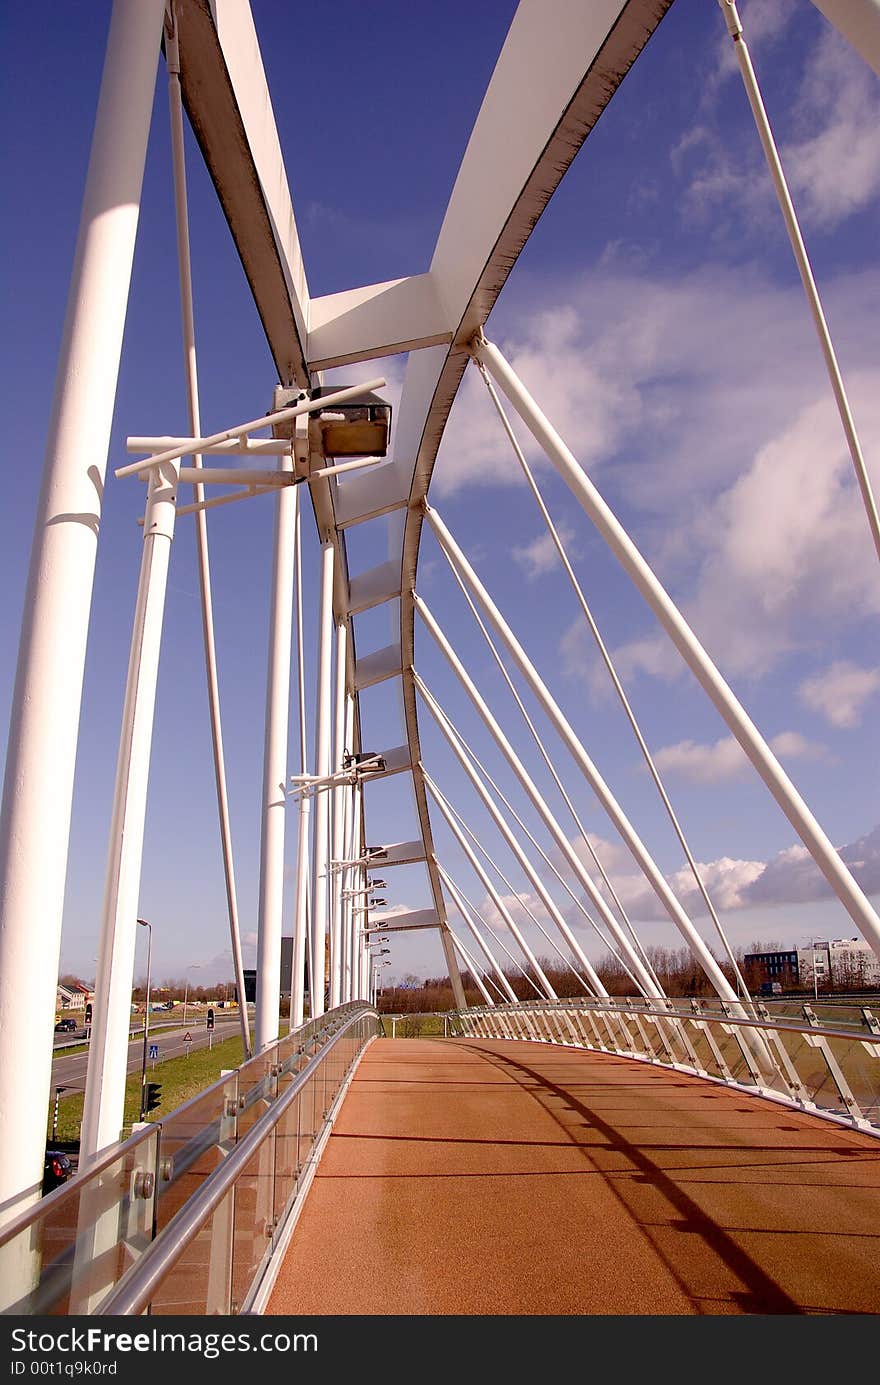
(180, 1078)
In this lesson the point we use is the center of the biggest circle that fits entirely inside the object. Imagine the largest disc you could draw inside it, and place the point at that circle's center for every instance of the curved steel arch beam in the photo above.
(589, 50)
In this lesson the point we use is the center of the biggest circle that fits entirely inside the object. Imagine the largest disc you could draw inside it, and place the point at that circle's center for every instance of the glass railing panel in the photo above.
(859, 1060)
(253, 1220)
(199, 1284)
(729, 1046)
(194, 1139)
(81, 1239)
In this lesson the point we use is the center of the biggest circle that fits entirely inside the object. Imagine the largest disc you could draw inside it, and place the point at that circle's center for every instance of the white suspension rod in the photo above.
(237, 447)
(477, 935)
(789, 214)
(618, 688)
(503, 826)
(446, 806)
(479, 768)
(490, 889)
(191, 445)
(493, 894)
(643, 858)
(471, 967)
(207, 603)
(559, 784)
(684, 639)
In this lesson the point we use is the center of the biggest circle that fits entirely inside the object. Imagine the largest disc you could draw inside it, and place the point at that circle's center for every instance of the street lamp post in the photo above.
(194, 966)
(143, 923)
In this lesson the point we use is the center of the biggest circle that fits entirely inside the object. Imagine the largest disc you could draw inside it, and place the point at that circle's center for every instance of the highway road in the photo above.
(70, 1072)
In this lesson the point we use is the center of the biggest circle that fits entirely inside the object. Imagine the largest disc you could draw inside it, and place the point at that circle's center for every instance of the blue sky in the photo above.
(657, 316)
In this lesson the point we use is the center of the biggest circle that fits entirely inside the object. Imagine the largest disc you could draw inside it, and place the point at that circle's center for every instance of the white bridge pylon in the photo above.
(576, 55)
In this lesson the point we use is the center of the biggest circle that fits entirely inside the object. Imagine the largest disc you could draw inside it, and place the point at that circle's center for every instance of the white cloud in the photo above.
(840, 691)
(826, 138)
(834, 166)
(539, 556)
(784, 551)
(790, 877)
(725, 758)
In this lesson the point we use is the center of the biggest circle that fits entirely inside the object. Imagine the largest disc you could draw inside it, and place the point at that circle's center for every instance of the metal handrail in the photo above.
(701, 1016)
(136, 1288)
(786, 1083)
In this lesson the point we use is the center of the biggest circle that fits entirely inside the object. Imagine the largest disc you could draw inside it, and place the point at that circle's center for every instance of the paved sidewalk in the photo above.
(491, 1177)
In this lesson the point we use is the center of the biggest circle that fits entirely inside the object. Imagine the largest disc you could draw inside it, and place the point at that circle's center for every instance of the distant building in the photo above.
(814, 964)
(73, 997)
(842, 962)
(853, 962)
(765, 968)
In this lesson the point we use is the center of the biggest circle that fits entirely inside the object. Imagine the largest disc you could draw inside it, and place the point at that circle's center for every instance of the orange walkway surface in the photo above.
(490, 1177)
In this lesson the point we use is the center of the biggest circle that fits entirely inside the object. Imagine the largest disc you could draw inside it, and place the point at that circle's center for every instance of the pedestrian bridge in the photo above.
(589, 1156)
(689, 1164)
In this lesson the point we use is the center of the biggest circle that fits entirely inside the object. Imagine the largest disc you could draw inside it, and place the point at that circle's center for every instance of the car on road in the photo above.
(56, 1170)
(66, 1026)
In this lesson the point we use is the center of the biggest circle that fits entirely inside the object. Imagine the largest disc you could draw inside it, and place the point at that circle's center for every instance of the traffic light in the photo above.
(88, 1016)
(154, 1096)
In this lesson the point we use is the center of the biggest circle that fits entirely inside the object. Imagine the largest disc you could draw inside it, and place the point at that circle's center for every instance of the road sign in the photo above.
(154, 1050)
(187, 1038)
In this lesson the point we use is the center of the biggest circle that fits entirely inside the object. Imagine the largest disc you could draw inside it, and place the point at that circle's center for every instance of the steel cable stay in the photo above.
(615, 680)
(493, 785)
(643, 978)
(479, 977)
(499, 872)
(814, 838)
(642, 982)
(470, 914)
(453, 824)
(556, 777)
(573, 744)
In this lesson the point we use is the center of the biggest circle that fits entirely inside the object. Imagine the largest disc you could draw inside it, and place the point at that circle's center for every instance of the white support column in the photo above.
(111, 1014)
(269, 920)
(349, 875)
(337, 803)
(612, 808)
(38, 787)
(349, 852)
(477, 936)
(686, 642)
(301, 907)
(640, 975)
(321, 814)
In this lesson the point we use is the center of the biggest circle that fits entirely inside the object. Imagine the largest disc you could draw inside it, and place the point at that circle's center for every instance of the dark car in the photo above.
(65, 1026)
(56, 1170)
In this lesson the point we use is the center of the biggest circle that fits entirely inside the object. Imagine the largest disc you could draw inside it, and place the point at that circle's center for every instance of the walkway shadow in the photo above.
(763, 1294)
